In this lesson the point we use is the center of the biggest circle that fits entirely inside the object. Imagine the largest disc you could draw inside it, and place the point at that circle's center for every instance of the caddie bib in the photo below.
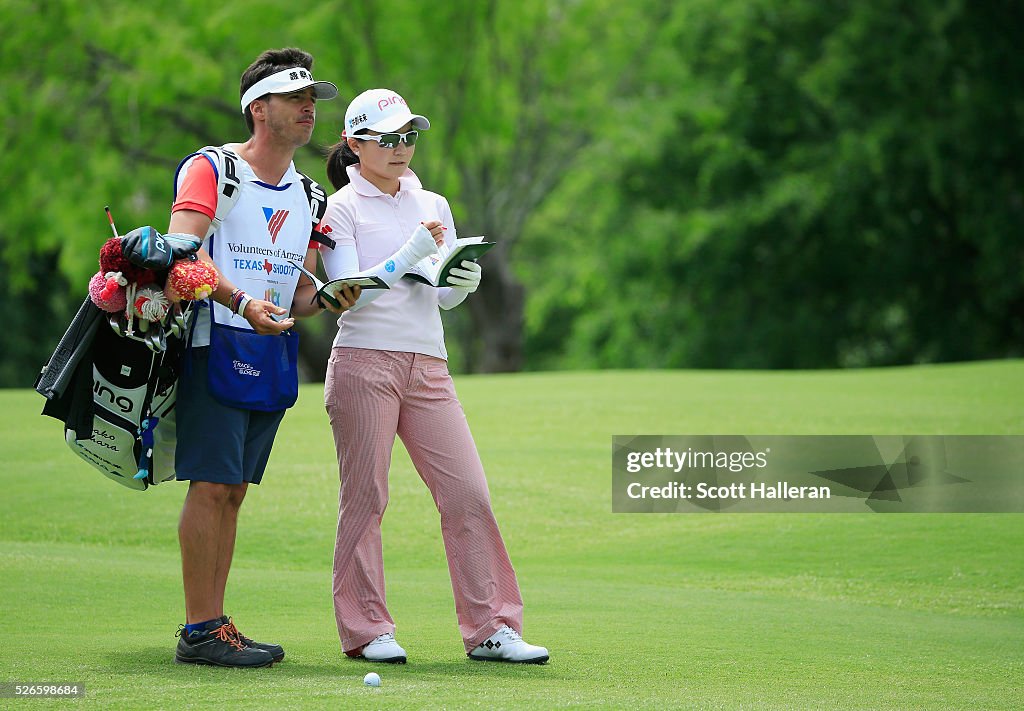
(268, 226)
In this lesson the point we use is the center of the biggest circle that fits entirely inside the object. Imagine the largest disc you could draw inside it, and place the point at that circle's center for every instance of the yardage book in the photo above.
(433, 270)
(328, 290)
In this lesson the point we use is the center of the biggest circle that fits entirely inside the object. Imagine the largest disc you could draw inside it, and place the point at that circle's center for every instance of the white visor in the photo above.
(287, 81)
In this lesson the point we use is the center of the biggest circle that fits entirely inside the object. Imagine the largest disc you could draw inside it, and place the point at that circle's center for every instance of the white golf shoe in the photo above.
(506, 645)
(384, 648)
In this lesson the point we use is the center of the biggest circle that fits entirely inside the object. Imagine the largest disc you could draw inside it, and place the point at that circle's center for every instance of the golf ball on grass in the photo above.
(372, 679)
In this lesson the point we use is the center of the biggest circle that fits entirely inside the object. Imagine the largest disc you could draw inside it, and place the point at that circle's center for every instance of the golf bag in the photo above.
(115, 396)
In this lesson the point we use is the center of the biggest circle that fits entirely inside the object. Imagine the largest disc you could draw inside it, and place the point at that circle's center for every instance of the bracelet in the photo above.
(243, 301)
(237, 300)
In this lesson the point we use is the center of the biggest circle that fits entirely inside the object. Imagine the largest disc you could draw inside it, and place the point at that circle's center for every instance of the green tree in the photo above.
(515, 91)
(744, 184)
(836, 184)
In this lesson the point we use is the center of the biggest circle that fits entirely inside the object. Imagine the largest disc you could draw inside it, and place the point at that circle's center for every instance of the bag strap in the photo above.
(225, 168)
(317, 207)
(317, 198)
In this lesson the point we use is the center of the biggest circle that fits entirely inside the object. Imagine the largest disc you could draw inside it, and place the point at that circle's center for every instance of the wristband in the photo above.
(235, 304)
(243, 301)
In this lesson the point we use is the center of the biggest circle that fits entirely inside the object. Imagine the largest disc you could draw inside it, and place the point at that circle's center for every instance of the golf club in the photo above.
(110, 219)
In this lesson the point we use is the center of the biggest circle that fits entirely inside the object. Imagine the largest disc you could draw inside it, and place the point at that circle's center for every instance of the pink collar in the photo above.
(408, 181)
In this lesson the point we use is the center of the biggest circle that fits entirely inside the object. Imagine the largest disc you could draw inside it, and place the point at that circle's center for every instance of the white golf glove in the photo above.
(464, 280)
(419, 246)
(466, 276)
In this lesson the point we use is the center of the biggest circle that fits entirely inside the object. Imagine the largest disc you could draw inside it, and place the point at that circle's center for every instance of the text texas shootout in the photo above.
(666, 458)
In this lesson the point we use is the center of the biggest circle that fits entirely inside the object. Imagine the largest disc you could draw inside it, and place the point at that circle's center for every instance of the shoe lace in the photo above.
(386, 637)
(512, 634)
(228, 633)
(234, 631)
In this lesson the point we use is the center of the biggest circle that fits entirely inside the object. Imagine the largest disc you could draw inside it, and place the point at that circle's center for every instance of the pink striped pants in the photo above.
(371, 396)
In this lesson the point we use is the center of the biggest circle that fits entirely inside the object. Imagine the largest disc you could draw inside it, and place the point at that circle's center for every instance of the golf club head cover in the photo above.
(147, 248)
(183, 245)
(191, 280)
(108, 292)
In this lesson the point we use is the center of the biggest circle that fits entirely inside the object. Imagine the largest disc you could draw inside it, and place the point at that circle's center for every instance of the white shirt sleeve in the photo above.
(343, 260)
(447, 297)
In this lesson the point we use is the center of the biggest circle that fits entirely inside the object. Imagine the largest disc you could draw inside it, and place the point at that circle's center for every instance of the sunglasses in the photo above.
(390, 140)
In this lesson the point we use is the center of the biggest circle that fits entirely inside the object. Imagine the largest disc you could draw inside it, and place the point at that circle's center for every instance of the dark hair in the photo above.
(271, 62)
(340, 157)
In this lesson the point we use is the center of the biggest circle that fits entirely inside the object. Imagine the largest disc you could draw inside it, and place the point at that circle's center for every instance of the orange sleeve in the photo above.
(198, 189)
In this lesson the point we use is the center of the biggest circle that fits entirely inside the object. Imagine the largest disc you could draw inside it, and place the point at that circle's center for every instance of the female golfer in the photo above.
(388, 375)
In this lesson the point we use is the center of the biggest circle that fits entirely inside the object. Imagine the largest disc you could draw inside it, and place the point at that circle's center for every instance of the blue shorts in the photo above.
(217, 443)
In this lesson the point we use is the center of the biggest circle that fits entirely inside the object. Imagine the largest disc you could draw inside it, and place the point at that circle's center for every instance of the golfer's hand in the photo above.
(346, 296)
(436, 231)
(466, 276)
(259, 315)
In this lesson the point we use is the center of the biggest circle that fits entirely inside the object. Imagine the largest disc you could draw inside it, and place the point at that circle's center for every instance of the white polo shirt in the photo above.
(405, 318)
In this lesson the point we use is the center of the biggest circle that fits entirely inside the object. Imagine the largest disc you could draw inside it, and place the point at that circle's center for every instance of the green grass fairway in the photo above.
(866, 611)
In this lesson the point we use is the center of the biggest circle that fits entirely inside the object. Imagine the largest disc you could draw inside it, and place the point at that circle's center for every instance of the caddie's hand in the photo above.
(346, 296)
(436, 231)
(466, 276)
(261, 316)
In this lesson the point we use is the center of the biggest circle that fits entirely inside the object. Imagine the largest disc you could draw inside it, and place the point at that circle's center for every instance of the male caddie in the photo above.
(252, 207)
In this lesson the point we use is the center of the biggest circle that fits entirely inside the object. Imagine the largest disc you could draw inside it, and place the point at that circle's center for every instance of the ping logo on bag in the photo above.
(120, 400)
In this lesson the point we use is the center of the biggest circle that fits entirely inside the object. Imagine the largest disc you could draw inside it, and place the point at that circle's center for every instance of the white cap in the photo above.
(285, 82)
(380, 110)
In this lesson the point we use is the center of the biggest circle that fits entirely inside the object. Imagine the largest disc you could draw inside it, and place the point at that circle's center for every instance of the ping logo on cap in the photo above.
(393, 99)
